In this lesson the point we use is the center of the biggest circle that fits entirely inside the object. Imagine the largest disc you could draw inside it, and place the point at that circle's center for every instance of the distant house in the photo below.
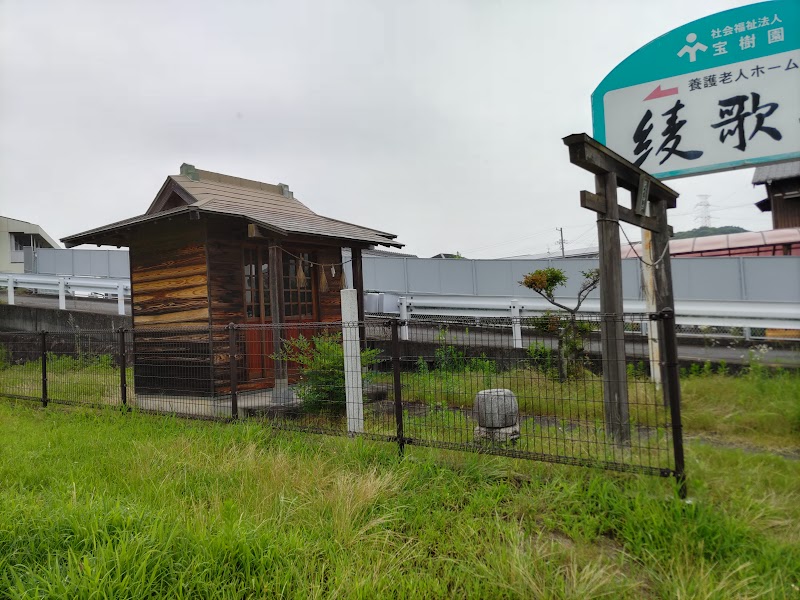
(783, 193)
(775, 242)
(15, 236)
(213, 249)
(783, 242)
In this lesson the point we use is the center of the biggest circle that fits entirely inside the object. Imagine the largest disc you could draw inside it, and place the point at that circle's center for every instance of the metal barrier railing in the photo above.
(63, 285)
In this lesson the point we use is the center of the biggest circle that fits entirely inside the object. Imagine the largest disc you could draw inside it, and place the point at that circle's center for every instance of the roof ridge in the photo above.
(239, 181)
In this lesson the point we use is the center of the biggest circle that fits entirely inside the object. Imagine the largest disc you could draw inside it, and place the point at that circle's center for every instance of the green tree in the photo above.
(570, 333)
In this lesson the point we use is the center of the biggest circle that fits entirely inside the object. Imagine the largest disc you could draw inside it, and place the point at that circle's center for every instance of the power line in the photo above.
(514, 241)
(685, 214)
(591, 228)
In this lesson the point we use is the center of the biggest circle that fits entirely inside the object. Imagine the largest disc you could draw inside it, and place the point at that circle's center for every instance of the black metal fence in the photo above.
(541, 396)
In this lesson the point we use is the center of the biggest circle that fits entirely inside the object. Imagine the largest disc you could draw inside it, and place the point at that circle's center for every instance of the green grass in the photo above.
(106, 504)
(85, 380)
(537, 390)
(755, 408)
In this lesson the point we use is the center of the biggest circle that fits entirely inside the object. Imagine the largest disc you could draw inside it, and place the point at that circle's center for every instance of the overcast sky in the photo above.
(439, 121)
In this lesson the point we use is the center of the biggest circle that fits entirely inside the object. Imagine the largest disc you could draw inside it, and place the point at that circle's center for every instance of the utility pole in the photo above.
(561, 231)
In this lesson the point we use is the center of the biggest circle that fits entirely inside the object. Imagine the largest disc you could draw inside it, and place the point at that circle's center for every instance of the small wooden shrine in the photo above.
(213, 250)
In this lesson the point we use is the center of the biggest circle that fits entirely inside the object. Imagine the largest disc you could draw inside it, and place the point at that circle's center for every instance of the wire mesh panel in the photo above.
(323, 377)
(473, 388)
(174, 371)
(576, 390)
(83, 367)
(21, 365)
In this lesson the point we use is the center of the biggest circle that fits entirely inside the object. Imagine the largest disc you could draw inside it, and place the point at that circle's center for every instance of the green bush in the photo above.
(321, 360)
(449, 358)
(542, 358)
(485, 366)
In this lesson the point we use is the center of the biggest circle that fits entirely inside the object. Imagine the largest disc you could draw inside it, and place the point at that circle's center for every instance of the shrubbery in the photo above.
(321, 362)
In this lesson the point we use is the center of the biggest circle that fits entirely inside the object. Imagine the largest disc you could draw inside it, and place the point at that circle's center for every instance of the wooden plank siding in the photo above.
(168, 271)
(785, 210)
(170, 308)
(224, 240)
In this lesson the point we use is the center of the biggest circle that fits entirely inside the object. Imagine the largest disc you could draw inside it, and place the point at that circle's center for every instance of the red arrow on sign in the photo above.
(659, 93)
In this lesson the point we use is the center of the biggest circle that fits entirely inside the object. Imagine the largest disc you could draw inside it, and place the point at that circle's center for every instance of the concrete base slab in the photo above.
(497, 434)
(253, 402)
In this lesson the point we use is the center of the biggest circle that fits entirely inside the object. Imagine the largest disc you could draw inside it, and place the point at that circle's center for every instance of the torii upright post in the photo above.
(612, 171)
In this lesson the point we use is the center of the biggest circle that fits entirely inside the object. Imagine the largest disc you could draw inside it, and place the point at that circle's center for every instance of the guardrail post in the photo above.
(10, 290)
(403, 302)
(62, 294)
(121, 298)
(398, 389)
(516, 324)
(123, 367)
(234, 372)
(44, 368)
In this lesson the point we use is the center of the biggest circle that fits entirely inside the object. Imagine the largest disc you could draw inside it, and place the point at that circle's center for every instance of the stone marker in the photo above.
(497, 412)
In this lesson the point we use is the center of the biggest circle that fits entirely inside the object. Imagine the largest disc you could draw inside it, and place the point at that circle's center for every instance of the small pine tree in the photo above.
(544, 282)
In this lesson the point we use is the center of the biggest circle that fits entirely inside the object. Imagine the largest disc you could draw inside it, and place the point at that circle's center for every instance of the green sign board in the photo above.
(716, 94)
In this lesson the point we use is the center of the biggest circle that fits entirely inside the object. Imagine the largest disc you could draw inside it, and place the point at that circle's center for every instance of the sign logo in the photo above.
(692, 50)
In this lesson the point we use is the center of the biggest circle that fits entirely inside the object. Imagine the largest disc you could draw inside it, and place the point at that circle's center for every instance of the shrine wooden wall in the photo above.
(785, 210)
(225, 237)
(168, 275)
(169, 304)
(187, 280)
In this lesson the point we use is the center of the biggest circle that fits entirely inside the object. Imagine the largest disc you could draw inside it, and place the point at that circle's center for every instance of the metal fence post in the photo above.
(398, 392)
(44, 368)
(234, 370)
(123, 367)
(672, 394)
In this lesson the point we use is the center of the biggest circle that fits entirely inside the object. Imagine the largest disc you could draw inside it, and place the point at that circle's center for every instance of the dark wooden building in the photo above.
(783, 193)
(214, 249)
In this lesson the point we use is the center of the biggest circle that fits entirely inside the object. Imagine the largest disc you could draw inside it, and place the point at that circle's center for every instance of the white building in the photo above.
(15, 236)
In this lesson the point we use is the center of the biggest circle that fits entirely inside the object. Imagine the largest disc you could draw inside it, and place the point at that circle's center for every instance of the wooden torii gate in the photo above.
(650, 200)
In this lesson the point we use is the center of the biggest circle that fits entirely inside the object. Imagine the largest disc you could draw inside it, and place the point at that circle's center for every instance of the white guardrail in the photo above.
(735, 313)
(738, 313)
(64, 285)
